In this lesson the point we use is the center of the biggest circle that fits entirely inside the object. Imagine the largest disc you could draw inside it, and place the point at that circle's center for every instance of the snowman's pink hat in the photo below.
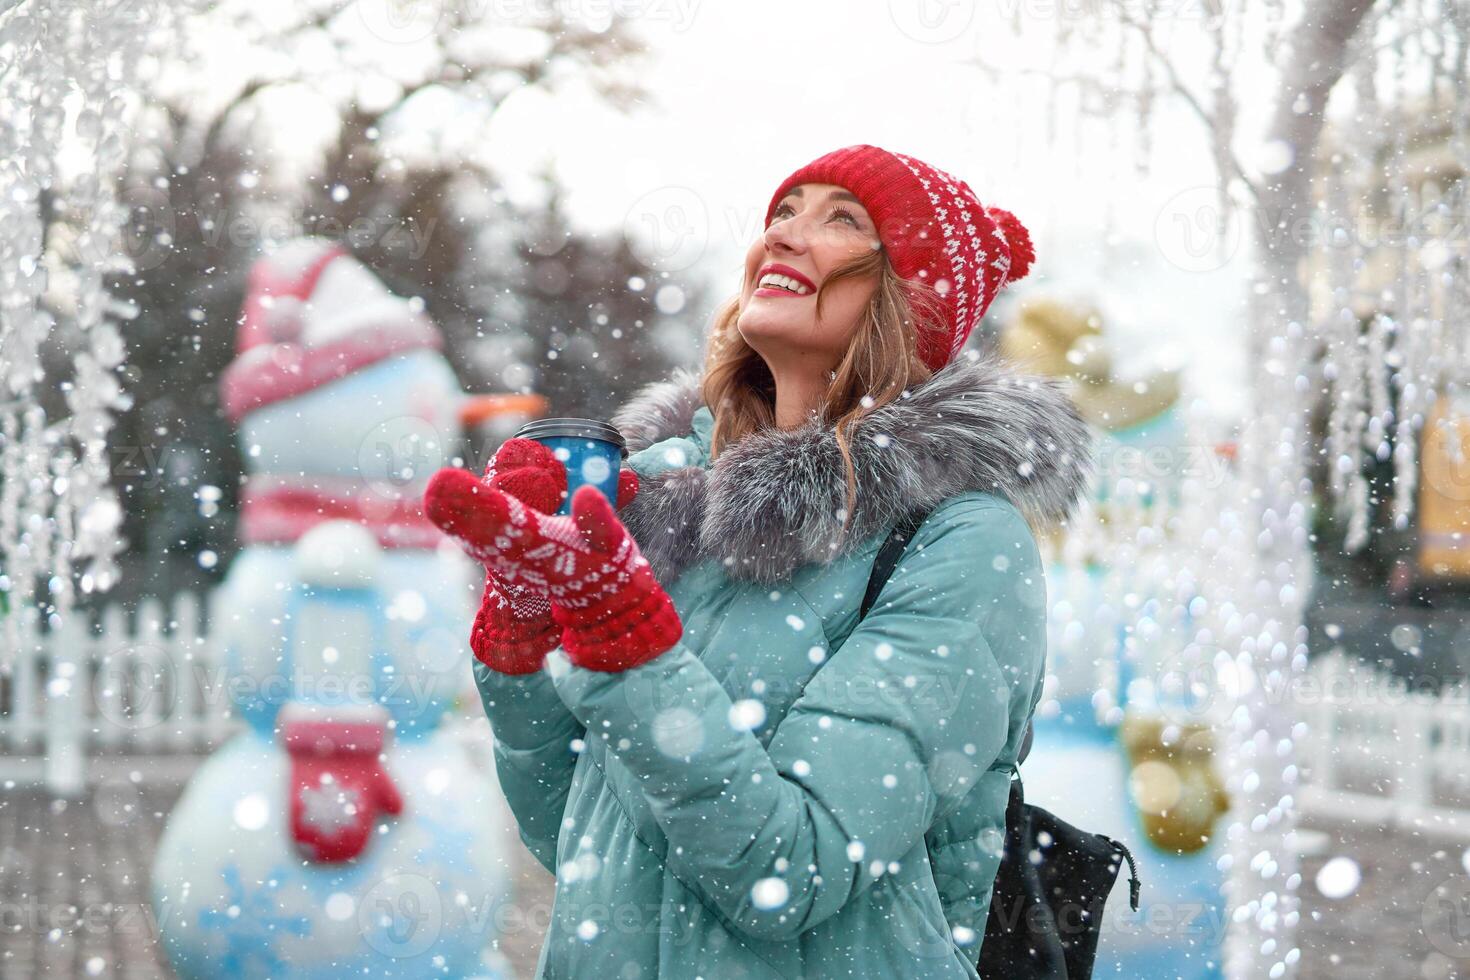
(314, 314)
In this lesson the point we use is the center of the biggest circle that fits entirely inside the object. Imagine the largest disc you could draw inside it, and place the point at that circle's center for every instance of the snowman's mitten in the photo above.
(338, 786)
(613, 612)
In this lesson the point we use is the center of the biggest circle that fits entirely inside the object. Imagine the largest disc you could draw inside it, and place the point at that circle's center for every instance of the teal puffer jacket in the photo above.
(788, 792)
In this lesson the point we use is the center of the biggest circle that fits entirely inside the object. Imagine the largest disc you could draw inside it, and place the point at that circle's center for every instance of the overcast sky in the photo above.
(745, 93)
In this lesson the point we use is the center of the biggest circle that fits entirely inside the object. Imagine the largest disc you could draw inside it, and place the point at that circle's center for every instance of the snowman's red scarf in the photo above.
(277, 510)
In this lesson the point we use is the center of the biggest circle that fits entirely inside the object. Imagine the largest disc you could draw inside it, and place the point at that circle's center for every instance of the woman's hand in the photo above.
(613, 613)
(513, 629)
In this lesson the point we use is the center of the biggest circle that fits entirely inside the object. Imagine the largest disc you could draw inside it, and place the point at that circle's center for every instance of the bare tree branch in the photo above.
(1178, 88)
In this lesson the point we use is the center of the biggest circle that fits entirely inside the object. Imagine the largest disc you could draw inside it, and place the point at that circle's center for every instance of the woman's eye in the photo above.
(852, 219)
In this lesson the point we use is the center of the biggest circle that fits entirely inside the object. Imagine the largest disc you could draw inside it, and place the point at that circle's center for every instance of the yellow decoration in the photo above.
(1049, 337)
(1444, 493)
(1175, 787)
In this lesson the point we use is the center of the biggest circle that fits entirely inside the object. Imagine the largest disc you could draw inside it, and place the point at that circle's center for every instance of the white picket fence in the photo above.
(148, 693)
(1382, 752)
(141, 693)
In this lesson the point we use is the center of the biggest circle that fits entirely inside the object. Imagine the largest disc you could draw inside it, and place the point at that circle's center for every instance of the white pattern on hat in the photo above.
(966, 313)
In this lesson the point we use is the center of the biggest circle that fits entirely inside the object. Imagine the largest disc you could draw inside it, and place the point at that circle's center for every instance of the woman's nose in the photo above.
(789, 234)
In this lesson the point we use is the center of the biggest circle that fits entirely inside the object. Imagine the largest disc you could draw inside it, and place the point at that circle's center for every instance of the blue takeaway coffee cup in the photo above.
(592, 451)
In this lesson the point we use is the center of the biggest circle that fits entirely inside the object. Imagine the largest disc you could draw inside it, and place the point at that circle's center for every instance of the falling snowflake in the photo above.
(769, 893)
(1339, 878)
(747, 715)
(678, 732)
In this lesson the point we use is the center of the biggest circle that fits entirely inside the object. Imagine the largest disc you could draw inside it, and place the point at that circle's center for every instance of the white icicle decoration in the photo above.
(66, 90)
(1391, 323)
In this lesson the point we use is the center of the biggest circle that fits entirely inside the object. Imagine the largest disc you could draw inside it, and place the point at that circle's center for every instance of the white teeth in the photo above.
(784, 282)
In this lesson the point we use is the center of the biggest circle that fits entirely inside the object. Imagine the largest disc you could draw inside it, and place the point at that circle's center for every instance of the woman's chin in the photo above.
(759, 328)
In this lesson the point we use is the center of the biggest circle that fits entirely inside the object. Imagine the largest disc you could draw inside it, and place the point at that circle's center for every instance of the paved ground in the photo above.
(1408, 916)
(73, 895)
(74, 884)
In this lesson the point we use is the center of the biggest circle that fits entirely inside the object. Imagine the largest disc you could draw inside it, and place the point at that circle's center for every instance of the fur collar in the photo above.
(774, 501)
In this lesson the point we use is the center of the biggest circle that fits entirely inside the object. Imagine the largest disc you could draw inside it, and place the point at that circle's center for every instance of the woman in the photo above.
(728, 774)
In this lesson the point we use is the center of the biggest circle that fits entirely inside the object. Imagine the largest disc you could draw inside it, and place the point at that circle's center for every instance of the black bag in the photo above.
(1045, 914)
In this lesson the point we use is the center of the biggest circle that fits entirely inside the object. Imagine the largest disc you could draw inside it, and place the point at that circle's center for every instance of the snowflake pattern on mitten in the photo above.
(339, 788)
(513, 629)
(602, 591)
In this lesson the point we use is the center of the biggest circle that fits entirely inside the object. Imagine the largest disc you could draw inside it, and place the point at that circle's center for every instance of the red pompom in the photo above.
(1022, 254)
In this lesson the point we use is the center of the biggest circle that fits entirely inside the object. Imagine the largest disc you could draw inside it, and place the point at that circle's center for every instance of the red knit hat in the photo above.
(933, 229)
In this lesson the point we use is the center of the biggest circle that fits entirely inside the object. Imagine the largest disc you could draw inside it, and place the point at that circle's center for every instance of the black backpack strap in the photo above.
(887, 560)
(883, 566)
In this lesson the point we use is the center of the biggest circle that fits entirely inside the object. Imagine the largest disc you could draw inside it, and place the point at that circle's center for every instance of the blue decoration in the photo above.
(250, 923)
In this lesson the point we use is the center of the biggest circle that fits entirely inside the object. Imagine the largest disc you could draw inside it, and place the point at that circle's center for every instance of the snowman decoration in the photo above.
(344, 832)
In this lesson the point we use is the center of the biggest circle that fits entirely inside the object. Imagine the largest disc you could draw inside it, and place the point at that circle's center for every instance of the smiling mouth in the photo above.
(775, 284)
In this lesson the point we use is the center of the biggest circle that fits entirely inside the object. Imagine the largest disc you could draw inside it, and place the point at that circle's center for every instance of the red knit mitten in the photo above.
(338, 784)
(614, 613)
(513, 629)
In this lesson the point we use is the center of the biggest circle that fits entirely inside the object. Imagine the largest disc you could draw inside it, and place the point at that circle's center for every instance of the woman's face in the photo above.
(814, 229)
